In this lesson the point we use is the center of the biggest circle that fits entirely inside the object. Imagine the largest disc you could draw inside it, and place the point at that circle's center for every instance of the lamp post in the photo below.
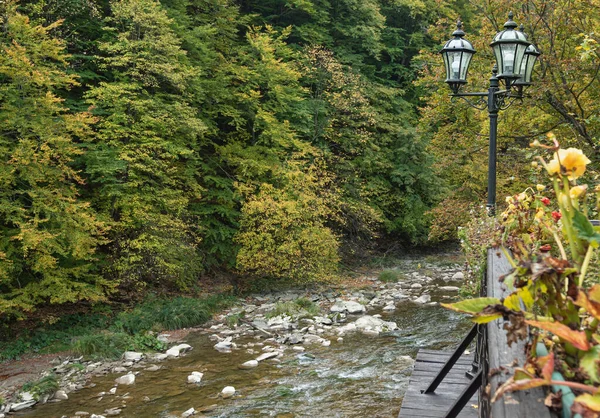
(515, 58)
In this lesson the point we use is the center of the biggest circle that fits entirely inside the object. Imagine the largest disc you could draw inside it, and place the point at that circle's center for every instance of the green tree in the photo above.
(49, 235)
(143, 161)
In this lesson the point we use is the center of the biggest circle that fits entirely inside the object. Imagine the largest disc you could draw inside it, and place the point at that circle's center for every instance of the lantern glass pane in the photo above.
(446, 64)
(498, 53)
(508, 59)
(519, 54)
(454, 59)
(464, 67)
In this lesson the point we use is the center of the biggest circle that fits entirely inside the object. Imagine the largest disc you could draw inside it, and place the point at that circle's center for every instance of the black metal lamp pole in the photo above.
(515, 58)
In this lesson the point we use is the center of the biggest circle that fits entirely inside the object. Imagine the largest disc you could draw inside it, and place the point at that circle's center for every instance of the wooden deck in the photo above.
(428, 364)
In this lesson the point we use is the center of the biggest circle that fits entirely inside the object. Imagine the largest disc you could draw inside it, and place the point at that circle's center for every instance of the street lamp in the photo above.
(515, 58)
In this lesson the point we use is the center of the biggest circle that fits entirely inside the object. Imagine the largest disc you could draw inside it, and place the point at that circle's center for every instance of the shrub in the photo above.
(103, 345)
(161, 314)
(299, 308)
(391, 276)
(47, 385)
(283, 234)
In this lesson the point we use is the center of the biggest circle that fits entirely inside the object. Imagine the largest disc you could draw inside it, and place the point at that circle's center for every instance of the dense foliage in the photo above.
(145, 142)
(562, 100)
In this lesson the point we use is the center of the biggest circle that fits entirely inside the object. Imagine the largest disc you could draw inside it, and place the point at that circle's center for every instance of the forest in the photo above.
(147, 144)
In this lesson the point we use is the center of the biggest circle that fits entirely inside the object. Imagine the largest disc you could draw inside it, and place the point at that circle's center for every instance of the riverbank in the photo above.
(271, 326)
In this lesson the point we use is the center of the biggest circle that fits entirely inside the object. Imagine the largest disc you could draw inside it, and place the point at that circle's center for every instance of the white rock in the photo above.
(349, 306)
(22, 405)
(390, 307)
(340, 340)
(188, 413)
(224, 346)
(161, 357)
(97, 416)
(458, 276)
(416, 286)
(183, 347)
(172, 352)
(298, 348)
(132, 356)
(370, 322)
(326, 343)
(195, 377)
(249, 364)
(61, 395)
(152, 368)
(112, 391)
(449, 288)
(228, 391)
(127, 379)
(266, 356)
(423, 299)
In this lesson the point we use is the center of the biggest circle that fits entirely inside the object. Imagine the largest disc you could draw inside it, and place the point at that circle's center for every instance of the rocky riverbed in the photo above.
(349, 353)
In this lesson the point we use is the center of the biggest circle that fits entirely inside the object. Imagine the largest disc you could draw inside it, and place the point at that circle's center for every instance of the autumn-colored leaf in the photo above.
(590, 363)
(592, 307)
(577, 338)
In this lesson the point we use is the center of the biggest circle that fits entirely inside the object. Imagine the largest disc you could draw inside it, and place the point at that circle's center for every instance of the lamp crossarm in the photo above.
(500, 98)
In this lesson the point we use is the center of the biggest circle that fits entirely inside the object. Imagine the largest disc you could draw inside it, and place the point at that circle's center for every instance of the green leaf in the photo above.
(585, 230)
(472, 306)
(589, 363)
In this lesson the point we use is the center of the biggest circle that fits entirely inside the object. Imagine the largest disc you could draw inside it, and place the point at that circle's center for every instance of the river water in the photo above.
(363, 376)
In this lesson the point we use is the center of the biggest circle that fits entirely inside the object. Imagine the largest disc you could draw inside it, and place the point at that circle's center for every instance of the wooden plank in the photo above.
(519, 404)
(435, 405)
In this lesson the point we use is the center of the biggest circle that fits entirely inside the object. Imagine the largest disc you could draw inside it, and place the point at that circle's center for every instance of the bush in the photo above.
(299, 308)
(283, 235)
(103, 345)
(391, 276)
(161, 314)
(47, 385)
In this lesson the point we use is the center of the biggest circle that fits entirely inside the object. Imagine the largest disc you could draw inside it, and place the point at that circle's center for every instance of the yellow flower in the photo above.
(572, 160)
(553, 167)
(540, 187)
(534, 164)
(577, 191)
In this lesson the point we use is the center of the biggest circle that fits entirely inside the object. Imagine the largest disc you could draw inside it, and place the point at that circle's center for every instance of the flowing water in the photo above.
(360, 377)
(363, 376)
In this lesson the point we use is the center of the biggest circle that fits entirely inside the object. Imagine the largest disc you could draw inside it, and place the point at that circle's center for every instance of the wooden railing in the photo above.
(498, 359)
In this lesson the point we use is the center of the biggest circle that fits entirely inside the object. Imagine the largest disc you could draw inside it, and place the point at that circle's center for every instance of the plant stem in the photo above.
(586, 263)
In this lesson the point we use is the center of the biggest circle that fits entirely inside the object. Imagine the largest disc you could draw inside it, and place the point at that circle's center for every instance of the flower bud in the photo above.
(540, 187)
(577, 191)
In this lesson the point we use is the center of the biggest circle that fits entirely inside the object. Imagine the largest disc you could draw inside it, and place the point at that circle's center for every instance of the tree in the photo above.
(49, 235)
(143, 162)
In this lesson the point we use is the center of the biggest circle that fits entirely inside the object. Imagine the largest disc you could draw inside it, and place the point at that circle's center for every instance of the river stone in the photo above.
(423, 299)
(458, 276)
(370, 322)
(195, 377)
(349, 306)
(449, 288)
(152, 368)
(390, 307)
(81, 414)
(119, 369)
(298, 348)
(416, 286)
(132, 356)
(250, 364)
(188, 413)
(228, 391)
(224, 346)
(112, 411)
(295, 339)
(266, 356)
(127, 379)
(19, 406)
(61, 395)
(112, 391)
(172, 352)
(97, 416)
(326, 343)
